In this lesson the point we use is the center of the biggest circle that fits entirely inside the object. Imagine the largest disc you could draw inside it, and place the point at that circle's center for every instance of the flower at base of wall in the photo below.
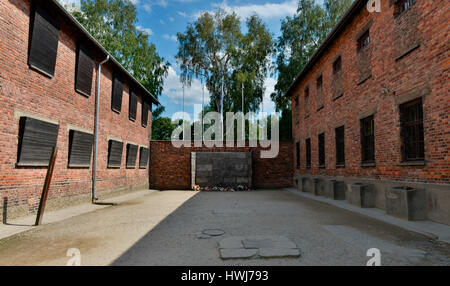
(197, 188)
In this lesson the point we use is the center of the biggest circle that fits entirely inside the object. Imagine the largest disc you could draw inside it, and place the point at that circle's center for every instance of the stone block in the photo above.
(335, 190)
(319, 187)
(307, 185)
(362, 195)
(406, 203)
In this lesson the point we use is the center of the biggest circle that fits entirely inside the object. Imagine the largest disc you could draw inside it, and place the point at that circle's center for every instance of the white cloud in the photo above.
(269, 105)
(265, 11)
(171, 38)
(173, 89)
(182, 14)
(171, 19)
(145, 30)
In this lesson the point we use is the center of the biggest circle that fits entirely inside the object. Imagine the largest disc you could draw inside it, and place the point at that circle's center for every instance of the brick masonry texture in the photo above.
(170, 167)
(409, 57)
(25, 91)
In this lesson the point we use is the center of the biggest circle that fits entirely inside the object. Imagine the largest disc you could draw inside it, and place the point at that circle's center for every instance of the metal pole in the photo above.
(96, 127)
(203, 106)
(243, 114)
(48, 180)
(183, 112)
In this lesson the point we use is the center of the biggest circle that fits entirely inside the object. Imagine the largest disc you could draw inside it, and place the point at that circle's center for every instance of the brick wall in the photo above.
(24, 91)
(170, 167)
(400, 71)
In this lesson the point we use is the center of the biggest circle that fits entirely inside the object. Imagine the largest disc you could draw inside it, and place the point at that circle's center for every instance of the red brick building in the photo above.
(49, 69)
(373, 104)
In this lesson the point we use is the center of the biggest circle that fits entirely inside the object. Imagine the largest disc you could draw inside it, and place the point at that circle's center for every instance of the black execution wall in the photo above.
(224, 169)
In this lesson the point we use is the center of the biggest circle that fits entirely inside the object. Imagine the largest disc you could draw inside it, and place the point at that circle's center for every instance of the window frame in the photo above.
(417, 124)
(368, 140)
(321, 150)
(297, 149)
(131, 116)
(402, 6)
(308, 152)
(117, 92)
(340, 146)
(364, 41)
(82, 48)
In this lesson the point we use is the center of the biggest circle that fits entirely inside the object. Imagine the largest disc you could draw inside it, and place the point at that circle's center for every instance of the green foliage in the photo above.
(162, 129)
(300, 36)
(113, 24)
(215, 49)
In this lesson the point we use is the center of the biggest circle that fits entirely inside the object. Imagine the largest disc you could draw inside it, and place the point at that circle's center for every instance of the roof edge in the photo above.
(99, 46)
(348, 16)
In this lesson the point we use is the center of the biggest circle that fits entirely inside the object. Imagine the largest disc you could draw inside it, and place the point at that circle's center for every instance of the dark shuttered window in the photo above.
(297, 152)
(133, 106)
(131, 156)
(44, 42)
(144, 113)
(308, 153)
(368, 140)
(340, 146)
(117, 91)
(36, 141)
(143, 157)
(80, 149)
(84, 70)
(114, 154)
(411, 118)
(321, 142)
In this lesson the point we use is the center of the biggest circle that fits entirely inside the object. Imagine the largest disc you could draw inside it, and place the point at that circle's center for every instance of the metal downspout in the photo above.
(97, 109)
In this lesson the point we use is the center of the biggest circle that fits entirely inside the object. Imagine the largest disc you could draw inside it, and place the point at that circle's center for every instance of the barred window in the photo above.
(368, 140)
(321, 143)
(337, 65)
(308, 153)
(403, 5)
(307, 102)
(411, 118)
(364, 41)
(297, 145)
(340, 146)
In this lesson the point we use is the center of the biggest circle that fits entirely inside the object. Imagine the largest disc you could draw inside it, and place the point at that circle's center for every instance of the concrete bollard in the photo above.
(406, 203)
(335, 190)
(362, 195)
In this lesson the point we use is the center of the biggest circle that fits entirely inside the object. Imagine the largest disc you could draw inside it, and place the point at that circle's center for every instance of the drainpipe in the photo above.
(97, 109)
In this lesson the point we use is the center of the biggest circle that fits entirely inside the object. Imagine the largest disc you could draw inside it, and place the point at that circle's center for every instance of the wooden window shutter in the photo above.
(114, 154)
(117, 91)
(44, 42)
(143, 157)
(144, 113)
(80, 149)
(133, 106)
(84, 71)
(131, 156)
(36, 141)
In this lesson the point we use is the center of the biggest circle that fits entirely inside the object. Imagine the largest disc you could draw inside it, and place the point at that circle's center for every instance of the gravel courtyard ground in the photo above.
(160, 228)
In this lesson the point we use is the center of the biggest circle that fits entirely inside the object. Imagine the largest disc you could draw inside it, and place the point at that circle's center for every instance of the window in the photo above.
(80, 149)
(411, 118)
(321, 141)
(131, 156)
(340, 146)
(117, 91)
(143, 157)
(133, 106)
(84, 71)
(36, 141)
(44, 42)
(297, 145)
(368, 140)
(114, 154)
(308, 153)
(337, 65)
(144, 113)
(403, 5)
(364, 41)
(319, 92)
(307, 102)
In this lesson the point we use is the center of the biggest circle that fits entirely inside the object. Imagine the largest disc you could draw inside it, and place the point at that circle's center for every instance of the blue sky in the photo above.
(163, 19)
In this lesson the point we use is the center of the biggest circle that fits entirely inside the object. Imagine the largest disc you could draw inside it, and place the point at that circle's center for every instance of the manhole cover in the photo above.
(213, 232)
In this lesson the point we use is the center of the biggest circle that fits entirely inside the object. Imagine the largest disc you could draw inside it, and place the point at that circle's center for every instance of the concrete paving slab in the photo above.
(231, 243)
(257, 243)
(284, 244)
(278, 252)
(237, 253)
